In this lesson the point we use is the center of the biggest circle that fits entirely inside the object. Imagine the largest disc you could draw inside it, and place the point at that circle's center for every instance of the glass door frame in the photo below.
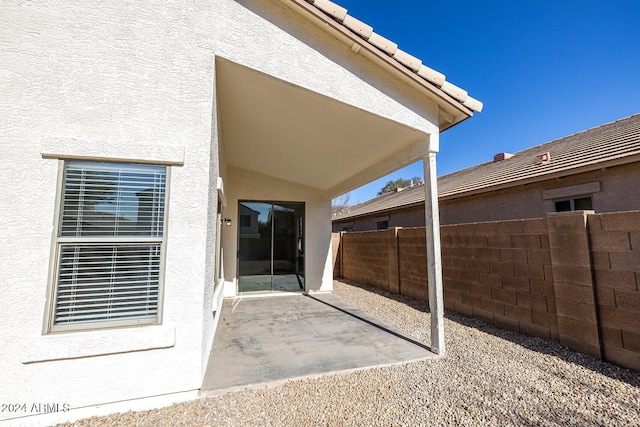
(300, 244)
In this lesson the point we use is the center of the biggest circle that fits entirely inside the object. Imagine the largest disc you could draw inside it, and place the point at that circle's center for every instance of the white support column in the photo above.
(434, 259)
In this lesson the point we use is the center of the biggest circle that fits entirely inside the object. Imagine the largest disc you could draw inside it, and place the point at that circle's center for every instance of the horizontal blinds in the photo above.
(107, 282)
(109, 199)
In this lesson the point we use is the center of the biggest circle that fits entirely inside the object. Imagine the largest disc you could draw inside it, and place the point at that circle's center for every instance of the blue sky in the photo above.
(543, 69)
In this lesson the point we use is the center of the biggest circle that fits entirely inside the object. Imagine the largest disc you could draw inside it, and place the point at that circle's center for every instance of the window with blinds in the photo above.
(109, 245)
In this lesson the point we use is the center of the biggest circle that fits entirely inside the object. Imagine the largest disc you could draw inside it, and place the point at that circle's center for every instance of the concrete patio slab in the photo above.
(270, 339)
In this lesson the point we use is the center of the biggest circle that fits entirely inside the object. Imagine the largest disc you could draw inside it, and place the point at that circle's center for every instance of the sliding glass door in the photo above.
(271, 246)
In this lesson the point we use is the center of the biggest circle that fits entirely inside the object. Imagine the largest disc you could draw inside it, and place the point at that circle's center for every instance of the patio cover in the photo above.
(275, 128)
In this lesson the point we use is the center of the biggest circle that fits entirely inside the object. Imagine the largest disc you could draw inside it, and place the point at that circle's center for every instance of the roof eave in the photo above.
(381, 211)
(452, 112)
(560, 174)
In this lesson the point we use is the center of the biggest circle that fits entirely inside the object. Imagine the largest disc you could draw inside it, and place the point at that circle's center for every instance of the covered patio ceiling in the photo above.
(274, 128)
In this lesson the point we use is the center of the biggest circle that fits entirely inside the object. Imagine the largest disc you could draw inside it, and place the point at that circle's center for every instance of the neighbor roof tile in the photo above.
(617, 141)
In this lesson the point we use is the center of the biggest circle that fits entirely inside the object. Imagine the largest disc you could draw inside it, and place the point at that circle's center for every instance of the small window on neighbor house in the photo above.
(582, 204)
(382, 225)
(109, 246)
(563, 206)
(577, 204)
(245, 220)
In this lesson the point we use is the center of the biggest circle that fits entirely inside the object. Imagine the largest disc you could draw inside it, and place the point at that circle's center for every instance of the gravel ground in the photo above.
(490, 377)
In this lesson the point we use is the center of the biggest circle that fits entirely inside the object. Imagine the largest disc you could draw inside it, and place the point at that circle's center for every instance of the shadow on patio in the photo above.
(271, 339)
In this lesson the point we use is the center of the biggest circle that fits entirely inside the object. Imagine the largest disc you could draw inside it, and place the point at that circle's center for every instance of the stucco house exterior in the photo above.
(140, 143)
(596, 169)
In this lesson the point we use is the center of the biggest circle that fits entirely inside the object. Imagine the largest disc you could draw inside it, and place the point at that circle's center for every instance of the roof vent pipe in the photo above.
(502, 156)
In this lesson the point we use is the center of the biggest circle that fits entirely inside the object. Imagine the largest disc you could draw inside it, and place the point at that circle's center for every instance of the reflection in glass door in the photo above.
(271, 246)
(288, 256)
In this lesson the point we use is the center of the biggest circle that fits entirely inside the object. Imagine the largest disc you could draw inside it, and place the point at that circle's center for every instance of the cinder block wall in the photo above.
(573, 277)
(365, 257)
(501, 272)
(573, 282)
(336, 249)
(412, 263)
(615, 246)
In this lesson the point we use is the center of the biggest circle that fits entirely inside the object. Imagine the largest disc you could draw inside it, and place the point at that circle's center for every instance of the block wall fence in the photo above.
(573, 277)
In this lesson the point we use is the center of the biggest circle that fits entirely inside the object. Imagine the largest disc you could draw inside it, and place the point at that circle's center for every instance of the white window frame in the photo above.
(58, 241)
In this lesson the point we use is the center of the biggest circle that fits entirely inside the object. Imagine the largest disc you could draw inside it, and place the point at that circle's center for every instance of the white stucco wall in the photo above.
(107, 81)
(134, 81)
(309, 57)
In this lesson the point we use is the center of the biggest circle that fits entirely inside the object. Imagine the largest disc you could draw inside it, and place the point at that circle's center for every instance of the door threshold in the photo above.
(266, 294)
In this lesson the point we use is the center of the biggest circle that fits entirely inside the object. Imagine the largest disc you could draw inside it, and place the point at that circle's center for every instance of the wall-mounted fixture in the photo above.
(227, 221)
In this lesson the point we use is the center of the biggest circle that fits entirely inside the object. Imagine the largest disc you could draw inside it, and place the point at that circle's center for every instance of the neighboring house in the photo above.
(133, 136)
(248, 223)
(597, 169)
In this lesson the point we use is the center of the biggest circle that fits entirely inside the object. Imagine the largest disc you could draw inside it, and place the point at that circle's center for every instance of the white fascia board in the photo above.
(444, 100)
